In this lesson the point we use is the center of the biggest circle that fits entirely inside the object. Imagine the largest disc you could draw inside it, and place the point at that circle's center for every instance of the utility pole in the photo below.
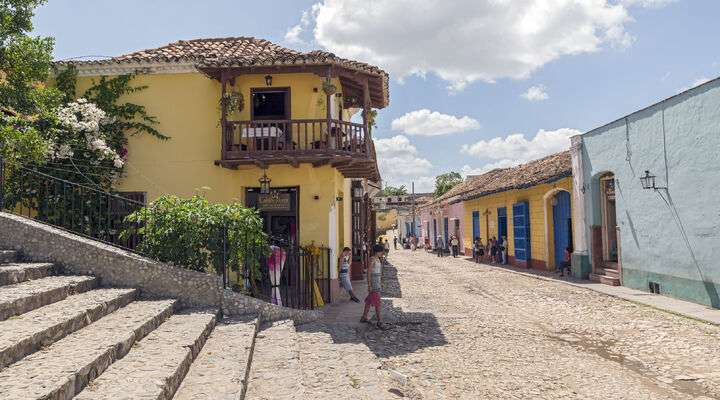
(413, 209)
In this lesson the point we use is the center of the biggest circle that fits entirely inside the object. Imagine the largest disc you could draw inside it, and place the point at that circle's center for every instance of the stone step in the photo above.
(63, 369)
(7, 256)
(26, 296)
(219, 372)
(276, 369)
(22, 272)
(614, 273)
(26, 333)
(156, 365)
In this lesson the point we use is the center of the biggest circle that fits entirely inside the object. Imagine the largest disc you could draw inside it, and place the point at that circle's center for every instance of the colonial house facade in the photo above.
(528, 205)
(243, 112)
(645, 185)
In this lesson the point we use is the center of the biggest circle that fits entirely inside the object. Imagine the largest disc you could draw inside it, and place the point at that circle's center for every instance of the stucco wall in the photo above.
(541, 245)
(187, 108)
(669, 236)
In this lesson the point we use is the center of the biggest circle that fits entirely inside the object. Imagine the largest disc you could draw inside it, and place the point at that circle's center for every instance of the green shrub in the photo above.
(189, 232)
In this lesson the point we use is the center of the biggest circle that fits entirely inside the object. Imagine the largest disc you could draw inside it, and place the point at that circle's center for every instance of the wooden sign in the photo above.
(274, 201)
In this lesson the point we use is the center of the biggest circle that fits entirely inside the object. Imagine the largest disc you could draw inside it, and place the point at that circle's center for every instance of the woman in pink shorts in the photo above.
(374, 286)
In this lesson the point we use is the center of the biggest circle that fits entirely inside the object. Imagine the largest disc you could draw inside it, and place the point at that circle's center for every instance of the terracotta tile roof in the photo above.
(533, 173)
(236, 52)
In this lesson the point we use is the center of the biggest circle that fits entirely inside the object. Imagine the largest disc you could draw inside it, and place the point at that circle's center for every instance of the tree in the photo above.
(445, 182)
(24, 60)
(394, 191)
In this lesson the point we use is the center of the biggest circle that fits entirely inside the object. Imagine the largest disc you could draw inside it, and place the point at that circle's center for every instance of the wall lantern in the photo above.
(268, 80)
(264, 183)
(648, 181)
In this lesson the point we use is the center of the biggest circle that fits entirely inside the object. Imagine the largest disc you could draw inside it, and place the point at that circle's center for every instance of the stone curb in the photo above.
(615, 295)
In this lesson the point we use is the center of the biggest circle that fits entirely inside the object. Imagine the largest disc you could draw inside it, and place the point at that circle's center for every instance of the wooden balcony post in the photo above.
(366, 115)
(223, 116)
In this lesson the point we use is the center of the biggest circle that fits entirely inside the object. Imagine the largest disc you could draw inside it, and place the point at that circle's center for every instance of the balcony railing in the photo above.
(261, 139)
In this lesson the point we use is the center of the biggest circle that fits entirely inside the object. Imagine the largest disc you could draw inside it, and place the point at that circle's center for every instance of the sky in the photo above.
(475, 84)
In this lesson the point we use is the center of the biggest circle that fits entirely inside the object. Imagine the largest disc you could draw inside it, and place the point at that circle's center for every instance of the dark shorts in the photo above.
(373, 299)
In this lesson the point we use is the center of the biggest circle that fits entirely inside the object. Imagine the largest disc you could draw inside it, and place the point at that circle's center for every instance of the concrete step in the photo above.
(220, 370)
(26, 296)
(22, 272)
(63, 369)
(156, 365)
(605, 279)
(7, 256)
(28, 332)
(276, 369)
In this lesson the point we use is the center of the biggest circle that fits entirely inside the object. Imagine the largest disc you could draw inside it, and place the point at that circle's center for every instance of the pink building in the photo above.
(444, 216)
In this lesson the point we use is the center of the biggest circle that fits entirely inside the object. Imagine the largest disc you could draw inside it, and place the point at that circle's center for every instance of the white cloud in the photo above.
(432, 123)
(646, 3)
(467, 170)
(516, 149)
(400, 163)
(293, 34)
(536, 93)
(465, 41)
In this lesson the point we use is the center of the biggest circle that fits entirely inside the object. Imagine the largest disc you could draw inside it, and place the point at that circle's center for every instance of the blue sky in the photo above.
(637, 52)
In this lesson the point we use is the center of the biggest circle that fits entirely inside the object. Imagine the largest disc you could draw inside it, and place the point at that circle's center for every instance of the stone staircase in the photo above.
(608, 276)
(65, 336)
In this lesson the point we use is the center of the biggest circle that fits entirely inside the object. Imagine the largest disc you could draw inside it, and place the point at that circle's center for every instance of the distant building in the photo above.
(664, 238)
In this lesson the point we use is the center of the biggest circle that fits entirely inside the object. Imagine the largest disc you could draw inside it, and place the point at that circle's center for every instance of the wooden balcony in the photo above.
(344, 145)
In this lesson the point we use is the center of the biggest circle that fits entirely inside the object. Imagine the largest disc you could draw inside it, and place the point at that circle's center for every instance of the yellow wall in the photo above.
(539, 198)
(187, 108)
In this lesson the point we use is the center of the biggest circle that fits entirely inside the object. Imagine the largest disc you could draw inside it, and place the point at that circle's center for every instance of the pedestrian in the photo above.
(439, 246)
(413, 243)
(503, 249)
(566, 263)
(344, 264)
(478, 250)
(454, 244)
(493, 250)
(374, 287)
(395, 242)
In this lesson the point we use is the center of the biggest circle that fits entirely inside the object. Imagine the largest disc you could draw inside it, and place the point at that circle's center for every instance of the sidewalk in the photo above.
(663, 303)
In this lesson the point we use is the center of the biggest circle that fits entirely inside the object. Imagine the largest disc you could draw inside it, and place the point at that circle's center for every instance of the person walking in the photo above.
(566, 263)
(386, 252)
(503, 250)
(374, 287)
(454, 244)
(493, 250)
(478, 250)
(344, 264)
(395, 242)
(439, 246)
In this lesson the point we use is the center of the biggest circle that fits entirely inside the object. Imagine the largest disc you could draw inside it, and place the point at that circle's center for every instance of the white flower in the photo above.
(64, 151)
(118, 162)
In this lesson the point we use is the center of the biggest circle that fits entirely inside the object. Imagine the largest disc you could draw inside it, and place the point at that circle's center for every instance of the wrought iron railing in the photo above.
(303, 280)
(81, 209)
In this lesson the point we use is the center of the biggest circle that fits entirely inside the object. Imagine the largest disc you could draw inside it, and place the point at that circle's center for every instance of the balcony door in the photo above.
(270, 104)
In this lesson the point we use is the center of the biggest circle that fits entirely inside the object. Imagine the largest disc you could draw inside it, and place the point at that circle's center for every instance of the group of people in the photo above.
(409, 242)
(495, 250)
(453, 245)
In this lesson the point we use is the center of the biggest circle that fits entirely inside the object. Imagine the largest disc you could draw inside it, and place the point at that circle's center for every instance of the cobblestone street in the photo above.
(462, 330)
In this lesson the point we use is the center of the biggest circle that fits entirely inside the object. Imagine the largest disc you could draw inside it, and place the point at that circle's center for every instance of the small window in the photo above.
(270, 104)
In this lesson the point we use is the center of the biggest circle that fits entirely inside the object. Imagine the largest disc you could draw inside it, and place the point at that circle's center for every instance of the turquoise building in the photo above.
(649, 184)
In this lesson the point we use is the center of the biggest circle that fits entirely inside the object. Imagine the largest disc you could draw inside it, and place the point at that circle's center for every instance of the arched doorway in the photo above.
(562, 225)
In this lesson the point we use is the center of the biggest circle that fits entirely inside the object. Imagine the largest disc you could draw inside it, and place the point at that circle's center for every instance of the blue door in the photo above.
(445, 230)
(502, 222)
(521, 231)
(562, 225)
(476, 224)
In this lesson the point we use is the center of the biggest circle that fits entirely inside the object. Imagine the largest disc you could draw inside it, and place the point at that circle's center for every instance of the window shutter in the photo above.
(521, 231)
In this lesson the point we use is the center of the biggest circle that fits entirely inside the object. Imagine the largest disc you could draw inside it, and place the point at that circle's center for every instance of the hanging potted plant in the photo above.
(328, 87)
(232, 101)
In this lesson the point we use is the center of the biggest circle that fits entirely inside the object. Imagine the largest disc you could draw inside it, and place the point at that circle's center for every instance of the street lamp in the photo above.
(264, 183)
(268, 80)
(648, 181)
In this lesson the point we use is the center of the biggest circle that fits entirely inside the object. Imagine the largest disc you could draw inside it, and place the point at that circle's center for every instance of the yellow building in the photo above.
(529, 205)
(241, 110)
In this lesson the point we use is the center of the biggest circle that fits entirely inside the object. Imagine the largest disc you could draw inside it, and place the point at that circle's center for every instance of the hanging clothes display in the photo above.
(276, 263)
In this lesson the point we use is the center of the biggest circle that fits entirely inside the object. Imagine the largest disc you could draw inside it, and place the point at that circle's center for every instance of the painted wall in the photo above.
(186, 105)
(667, 236)
(541, 224)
